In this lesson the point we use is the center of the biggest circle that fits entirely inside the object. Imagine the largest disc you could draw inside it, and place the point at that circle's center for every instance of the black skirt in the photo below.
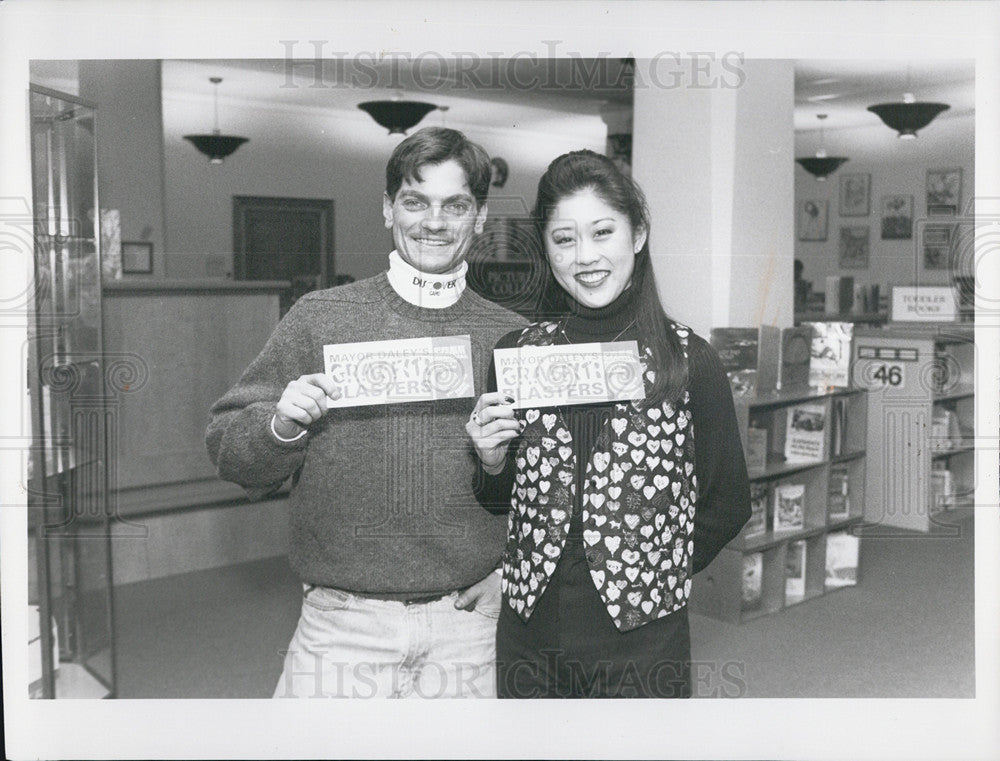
(570, 647)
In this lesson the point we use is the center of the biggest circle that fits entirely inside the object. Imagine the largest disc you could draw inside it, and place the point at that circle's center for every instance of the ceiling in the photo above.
(488, 92)
(843, 89)
(526, 91)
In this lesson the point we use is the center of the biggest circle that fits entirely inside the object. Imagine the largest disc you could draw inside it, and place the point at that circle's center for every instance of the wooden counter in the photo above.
(177, 347)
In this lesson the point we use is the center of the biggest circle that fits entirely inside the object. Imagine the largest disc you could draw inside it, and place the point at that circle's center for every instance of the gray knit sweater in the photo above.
(381, 499)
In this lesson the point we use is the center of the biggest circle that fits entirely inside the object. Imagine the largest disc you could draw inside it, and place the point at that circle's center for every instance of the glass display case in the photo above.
(71, 646)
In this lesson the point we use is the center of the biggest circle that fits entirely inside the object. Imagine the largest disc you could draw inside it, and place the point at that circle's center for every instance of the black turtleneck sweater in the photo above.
(723, 504)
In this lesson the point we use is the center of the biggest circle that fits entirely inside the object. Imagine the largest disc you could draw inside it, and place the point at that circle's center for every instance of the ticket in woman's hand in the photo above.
(400, 371)
(548, 376)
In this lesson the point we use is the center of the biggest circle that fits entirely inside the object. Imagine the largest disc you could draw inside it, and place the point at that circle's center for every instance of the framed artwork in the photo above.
(137, 257)
(944, 191)
(813, 215)
(855, 195)
(937, 246)
(897, 217)
(853, 247)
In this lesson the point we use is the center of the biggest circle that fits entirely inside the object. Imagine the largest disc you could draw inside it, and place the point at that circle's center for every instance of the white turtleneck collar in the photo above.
(422, 290)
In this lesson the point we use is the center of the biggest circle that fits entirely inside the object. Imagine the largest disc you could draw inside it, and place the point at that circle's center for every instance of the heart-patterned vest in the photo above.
(638, 504)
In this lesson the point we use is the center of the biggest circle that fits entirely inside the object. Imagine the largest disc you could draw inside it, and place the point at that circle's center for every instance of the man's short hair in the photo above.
(435, 145)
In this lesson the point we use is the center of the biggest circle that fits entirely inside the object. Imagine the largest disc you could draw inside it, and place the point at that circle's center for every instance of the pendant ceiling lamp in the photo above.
(216, 146)
(821, 165)
(397, 116)
(909, 115)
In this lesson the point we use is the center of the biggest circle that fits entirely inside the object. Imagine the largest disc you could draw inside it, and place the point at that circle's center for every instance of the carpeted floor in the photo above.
(906, 631)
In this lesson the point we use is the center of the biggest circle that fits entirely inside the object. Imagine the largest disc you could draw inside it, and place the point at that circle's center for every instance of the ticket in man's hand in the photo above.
(400, 371)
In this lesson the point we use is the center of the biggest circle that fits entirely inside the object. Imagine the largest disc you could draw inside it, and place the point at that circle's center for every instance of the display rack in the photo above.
(71, 643)
(839, 466)
(921, 407)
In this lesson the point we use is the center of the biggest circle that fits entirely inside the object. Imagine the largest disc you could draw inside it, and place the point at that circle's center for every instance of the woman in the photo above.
(613, 506)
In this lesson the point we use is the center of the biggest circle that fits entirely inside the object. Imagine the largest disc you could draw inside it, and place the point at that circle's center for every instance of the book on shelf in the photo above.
(838, 422)
(944, 430)
(749, 356)
(942, 489)
(841, 559)
(839, 294)
(796, 350)
(805, 432)
(753, 579)
(759, 499)
(789, 507)
(737, 349)
(839, 505)
(830, 354)
(756, 451)
(795, 571)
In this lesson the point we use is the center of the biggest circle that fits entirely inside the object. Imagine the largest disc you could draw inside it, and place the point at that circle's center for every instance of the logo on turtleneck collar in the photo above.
(423, 289)
(434, 287)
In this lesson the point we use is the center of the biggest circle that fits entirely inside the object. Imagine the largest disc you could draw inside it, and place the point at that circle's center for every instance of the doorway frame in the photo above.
(244, 206)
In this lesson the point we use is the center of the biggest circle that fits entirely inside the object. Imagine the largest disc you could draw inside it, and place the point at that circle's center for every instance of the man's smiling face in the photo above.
(433, 219)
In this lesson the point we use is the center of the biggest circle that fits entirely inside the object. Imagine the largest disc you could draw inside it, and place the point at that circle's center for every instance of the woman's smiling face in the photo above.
(591, 248)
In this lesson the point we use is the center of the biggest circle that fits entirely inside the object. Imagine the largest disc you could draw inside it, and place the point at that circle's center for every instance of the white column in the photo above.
(713, 148)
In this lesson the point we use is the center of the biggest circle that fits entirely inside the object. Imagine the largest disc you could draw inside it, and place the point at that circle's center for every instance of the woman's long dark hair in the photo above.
(584, 170)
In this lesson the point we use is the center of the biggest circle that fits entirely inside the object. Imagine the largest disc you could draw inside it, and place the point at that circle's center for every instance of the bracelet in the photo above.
(302, 433)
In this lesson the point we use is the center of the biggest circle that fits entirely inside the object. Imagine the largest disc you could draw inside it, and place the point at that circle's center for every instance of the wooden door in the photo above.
(284, 239)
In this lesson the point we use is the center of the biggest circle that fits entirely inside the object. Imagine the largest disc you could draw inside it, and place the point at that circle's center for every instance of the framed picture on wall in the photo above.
(813, 219)
(937, 241)
(855, 195)
(853, 247)
(137, 257)
(897, 217)
(944, 191)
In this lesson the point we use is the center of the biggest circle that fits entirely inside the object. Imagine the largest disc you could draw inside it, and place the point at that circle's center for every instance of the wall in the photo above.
(896, 167)
(129, 145)
(321, 153)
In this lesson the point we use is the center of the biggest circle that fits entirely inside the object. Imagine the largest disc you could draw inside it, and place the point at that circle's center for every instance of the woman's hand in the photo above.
(302, 403)
(491, 427)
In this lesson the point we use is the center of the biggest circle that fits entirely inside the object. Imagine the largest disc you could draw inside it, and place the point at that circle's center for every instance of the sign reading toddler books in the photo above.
(928, 303)
(399, 371)
(546, 376)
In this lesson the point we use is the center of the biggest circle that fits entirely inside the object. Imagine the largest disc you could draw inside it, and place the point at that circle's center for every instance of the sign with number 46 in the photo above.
(885, 375)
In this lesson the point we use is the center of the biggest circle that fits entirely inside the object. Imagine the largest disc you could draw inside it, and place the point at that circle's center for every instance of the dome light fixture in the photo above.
(397, 116)
(821, 165)
(216, 145)
(909, 115)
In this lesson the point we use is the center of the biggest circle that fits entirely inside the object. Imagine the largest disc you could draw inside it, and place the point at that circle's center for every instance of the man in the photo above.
(395, 555)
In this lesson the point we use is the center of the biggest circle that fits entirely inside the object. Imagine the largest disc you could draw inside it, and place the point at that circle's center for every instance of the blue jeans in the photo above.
(350, 646)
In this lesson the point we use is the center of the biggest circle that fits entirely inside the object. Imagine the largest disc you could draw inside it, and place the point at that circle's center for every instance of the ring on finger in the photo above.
(475, 418)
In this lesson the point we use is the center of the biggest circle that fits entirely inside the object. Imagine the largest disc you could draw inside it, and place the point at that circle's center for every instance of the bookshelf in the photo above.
(815, 488)
(921, 404)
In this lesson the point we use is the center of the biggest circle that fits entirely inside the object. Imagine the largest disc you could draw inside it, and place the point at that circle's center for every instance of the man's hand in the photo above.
(302, 403)
(483, 594)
